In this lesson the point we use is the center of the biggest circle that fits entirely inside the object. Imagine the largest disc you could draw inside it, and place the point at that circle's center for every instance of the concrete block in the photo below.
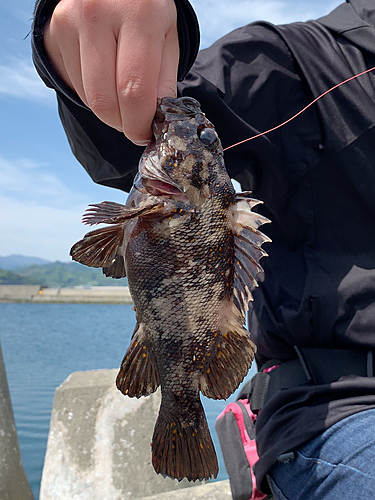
(99, 443)
(220, 490)
(13, 482)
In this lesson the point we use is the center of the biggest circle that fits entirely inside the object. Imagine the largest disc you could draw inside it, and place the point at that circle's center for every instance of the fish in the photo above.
(190, 247)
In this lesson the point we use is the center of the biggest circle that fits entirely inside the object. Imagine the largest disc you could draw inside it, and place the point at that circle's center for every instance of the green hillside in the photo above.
(60, 274)
(11, 278)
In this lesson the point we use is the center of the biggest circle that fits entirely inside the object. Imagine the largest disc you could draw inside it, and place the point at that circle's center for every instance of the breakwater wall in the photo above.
(85, 295)
(13, 482)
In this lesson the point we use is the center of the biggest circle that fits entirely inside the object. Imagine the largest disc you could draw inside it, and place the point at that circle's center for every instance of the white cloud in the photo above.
(29, 163)
(19, 79)
(31, 229)
(40, 214)
(29, 180)
(218, 17)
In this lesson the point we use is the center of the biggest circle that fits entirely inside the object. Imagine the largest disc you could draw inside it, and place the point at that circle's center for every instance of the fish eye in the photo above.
(208, 136)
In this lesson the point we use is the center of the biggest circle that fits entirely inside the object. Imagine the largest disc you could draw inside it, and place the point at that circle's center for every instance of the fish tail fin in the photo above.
(183, 449)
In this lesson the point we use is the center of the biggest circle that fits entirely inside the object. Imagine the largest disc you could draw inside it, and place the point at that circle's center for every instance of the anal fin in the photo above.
(138, 375)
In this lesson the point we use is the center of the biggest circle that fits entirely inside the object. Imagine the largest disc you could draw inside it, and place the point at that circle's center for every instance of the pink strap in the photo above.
(267, 370)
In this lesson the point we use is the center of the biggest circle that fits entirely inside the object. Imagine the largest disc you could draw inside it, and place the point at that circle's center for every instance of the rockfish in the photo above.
(190, 248)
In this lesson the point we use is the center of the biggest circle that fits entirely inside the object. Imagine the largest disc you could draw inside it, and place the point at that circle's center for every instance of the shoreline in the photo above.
(76, 295)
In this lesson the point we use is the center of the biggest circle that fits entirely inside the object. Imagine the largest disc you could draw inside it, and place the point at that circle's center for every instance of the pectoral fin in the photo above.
(104, 247)
(100, 248)
(116, 269)
(109, 212)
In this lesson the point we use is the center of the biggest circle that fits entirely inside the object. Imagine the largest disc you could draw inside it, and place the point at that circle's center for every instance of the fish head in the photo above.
(184, 161)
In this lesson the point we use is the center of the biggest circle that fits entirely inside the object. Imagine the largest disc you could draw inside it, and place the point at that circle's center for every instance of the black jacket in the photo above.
(316, 176)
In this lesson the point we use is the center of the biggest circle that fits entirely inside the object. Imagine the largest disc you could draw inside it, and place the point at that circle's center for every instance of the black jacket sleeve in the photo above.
(108, 157)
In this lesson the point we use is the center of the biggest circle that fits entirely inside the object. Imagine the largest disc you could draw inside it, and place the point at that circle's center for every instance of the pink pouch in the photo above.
(235, 429)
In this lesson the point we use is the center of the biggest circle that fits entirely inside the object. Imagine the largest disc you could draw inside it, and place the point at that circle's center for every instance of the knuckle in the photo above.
(157, 10)
(133, 88)
(101, 104)
(61, 13)
(89, 8)
(84, 11)
(169, 88)
(141, 6)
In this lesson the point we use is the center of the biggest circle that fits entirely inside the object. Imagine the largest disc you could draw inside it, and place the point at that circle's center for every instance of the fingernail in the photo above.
(141, 143)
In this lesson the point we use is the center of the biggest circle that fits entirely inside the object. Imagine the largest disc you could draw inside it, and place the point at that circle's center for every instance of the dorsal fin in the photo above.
(248, 241)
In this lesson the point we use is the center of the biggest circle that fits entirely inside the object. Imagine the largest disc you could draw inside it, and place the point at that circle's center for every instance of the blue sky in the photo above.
(43, 189)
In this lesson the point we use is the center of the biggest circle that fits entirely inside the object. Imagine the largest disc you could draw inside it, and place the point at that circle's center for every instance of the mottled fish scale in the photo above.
(190, 248)
(182, 272)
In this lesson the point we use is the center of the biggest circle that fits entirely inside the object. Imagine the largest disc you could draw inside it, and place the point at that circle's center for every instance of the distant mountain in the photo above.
(14, 262)
(67, 274)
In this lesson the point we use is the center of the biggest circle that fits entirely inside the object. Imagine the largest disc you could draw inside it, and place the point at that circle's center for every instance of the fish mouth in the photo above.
(160, 188)
(157, 182)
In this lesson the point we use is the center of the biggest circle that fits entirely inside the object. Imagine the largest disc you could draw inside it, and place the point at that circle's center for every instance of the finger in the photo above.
(137, 80)
(98, 48)
(60, 41)
(167, 84)
(138, 69)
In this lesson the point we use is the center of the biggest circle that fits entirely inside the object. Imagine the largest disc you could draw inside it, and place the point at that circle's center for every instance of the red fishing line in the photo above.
(302, 110)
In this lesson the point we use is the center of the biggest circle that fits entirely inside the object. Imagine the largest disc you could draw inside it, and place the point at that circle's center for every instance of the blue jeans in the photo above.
(337, 465)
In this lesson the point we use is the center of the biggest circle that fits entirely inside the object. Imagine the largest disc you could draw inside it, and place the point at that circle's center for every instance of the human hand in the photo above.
(118, 56)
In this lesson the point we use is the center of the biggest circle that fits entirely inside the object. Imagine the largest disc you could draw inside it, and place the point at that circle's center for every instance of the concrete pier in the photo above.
(99, 443)
(18, 293)
(13, 482)
(79, 295)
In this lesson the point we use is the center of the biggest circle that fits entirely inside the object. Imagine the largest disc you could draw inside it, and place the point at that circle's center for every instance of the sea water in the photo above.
(42, 344)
